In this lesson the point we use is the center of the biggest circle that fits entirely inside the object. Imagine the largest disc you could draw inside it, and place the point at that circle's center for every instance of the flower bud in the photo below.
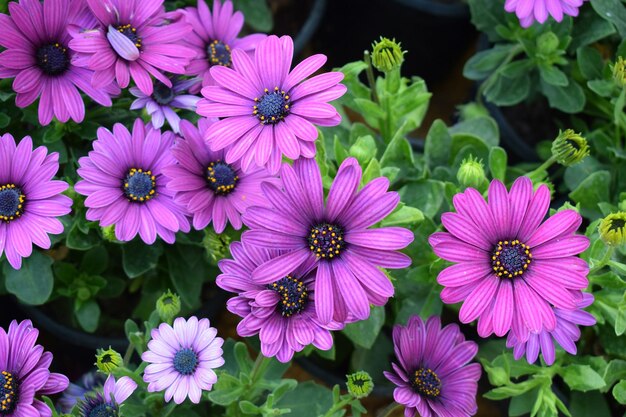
(364, 149)
(108, 360)
(471, 173)
(360, 384)
(569, 148)
(108, 233)
(387, 55)
(612, 229)
(168, 306)
(216, 245)
(547, 43)
(619, 72)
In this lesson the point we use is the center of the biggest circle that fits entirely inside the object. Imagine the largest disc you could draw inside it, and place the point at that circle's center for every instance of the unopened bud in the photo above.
(619, 72)
(216, 245)
(360, 384)
(387, 55)
(168, 306)
(108, 360)
(569, 148)
(612, 229)
(471, 173)
(108, 233)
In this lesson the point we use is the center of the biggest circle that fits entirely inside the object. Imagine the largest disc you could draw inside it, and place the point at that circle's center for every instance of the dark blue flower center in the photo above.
(326, 240)
(139, 185)
(53, 59)
(222, 178)
(103, 410)
(11, 202)
(293, 295)
(426, 382)
(131, 33)
(510, 258)
(8, 392)
(218, 53)
(272, 106)
(162, 94)
(185, 361)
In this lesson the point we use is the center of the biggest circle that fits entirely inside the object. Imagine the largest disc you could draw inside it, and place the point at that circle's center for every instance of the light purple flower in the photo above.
(510, 268)
(214, 36)
(24, 374)
(161, 103)
(336, 236)
(566, 334)
(182, 359)
(281, 313)
(529, 11)
(267, 110)
(209, 188)
(131, 39)
(432, 375)
(114, 393)
(123, 181)
(37, 55)
(30, 200)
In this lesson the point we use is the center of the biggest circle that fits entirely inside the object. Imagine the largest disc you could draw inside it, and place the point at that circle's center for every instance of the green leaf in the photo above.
(4, 120)
(363, 333)
(585, 404)
(569, 99)
(483, 127)
(497, 163)
(139, 258)
(508, 91)
(484, 63)
(88, 315)
(426, 195)
(257, 12)
(407, 215)
(619, 392)
(522, 404)
(593, 190)
(602, 88)
(615, 370)
(188, 270)
(437, 145)
(80, 240)
(398, 153)
(308, 399)
(95, 261)
(590, 62)
(582, 378)
(33, 283)
(372, 171)
(589, 28)
(613, 11)
(552, 75)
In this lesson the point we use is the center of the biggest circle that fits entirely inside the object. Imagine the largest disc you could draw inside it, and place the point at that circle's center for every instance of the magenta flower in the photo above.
(209, 188)
(182, 359)
(124, 183)
(30, 200)
(510, 268)
(161, 103)
(214, 36)
(24, 373)
(281, 313)
(566, 334)
(114, 393)
(432, 375)
(269, 111)
(37, 55)
(529, 11)
(336, 237)
(131, 39)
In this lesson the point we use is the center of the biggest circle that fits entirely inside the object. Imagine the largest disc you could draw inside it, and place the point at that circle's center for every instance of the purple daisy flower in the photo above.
(335, 236)
(281, 313)
(214, 36)
(182, 359)
(124, 183)
(208, 187)
(77, 391)
(24, 373)
(114, 393)
(432, 375)
(30, 200)
(510, 268)
(269, 111)
(529, 11)
(566, 334)
(161, 103)
(131, 39)
(37, 55)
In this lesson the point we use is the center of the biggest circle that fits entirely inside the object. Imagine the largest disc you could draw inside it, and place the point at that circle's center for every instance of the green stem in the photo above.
(392, 408)
(259, 368)
(165, 412)
(605, 260)
(617, 113)
(543, 167)
(338, 406)
(129, 353)
(370, 76)
(135, 376)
